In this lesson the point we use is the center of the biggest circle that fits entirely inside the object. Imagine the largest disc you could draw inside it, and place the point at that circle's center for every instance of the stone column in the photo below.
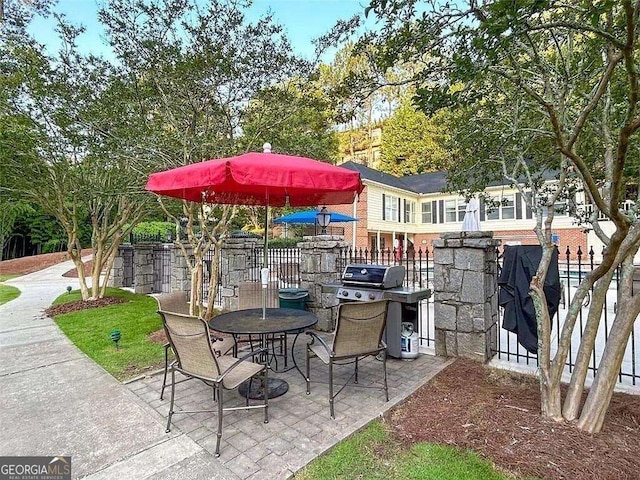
(465, 294)
(180, 271)
(237, 258)
(320, 263)
(143, 268)
(118, 267)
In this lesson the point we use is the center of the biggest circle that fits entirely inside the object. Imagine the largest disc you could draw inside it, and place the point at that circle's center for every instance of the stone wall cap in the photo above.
(463, 235)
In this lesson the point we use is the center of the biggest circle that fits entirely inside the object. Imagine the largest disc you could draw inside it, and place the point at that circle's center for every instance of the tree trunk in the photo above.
(96, 269)
(108, 266)
(597, 403)
(573, 399)
(551, 400)
(75, 252)
(213, 282)
(195, 288)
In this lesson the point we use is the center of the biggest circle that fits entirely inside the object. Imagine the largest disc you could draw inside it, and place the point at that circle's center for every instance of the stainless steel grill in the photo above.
(365, 283)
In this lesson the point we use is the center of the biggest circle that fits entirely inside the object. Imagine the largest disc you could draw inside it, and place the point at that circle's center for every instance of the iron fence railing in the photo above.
(151, 237)
(207, 264)
(572, 273)
(418, 264)
(127, 266)
(283, 264)
(161, 268)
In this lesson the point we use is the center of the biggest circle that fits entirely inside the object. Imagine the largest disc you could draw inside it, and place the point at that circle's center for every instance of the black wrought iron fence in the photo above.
(572, 273)
(207, 264)
(127, 267)
(151, 237)
(161, 268)
(283, 263)
(418, 264)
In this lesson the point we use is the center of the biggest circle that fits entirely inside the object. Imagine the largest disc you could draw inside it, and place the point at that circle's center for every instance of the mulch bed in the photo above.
(497, 415)
(159, 337)
(54, 310)
(73, 273)
(33, 263)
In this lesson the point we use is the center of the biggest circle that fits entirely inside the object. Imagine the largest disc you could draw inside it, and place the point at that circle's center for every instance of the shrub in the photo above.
(284, 242)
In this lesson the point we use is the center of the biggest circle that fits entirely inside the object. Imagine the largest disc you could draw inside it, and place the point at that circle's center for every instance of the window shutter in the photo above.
(383, 209)
(518, 205)
(399, 211)
(483, 215)
(440, 211)
(404, 217)
(434, 211)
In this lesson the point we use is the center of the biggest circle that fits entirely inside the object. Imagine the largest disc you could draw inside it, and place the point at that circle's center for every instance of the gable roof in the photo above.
(427, 182)
(433, 182)
(375, 176)
(423, 183)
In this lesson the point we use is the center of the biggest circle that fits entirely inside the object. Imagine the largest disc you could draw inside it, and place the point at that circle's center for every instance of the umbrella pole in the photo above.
(264, 260)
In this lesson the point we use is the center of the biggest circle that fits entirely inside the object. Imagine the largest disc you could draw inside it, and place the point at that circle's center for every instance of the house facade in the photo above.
(411, 211)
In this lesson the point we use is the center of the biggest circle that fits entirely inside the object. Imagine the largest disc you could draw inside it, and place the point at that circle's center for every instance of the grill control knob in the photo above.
(358, 294)
(372, 296)
(345, 293)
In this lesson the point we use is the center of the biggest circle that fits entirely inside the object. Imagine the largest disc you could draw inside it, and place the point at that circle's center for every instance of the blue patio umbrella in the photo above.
(311, 216)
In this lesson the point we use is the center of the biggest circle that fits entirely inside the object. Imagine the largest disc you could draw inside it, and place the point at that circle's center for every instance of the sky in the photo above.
(303, 21)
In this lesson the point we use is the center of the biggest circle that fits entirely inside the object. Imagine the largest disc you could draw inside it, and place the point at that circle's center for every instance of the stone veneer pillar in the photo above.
(117, 274)
(465, 294)
(180, 271)
(320, 263)
(143, 268)
(236, 261)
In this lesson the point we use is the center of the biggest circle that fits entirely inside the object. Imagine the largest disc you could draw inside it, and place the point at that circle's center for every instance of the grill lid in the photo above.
(378, 276)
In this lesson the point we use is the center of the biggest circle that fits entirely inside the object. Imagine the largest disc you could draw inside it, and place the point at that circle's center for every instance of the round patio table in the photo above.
(250, 322)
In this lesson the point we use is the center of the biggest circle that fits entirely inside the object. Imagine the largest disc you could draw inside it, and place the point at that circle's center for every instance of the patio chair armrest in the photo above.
(240, 360)
(314, 336)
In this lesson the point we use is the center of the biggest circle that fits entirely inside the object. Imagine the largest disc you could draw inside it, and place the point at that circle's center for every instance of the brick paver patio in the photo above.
(299, 428)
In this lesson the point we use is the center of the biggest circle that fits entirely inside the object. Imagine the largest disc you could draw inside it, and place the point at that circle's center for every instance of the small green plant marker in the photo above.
(115, 336)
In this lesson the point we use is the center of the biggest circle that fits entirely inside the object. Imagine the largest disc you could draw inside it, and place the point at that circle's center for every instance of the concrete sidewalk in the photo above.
(56, 401)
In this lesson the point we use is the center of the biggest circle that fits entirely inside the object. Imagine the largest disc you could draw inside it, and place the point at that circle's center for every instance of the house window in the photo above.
(508, 207)
(426, 212)
(501, 208)
(409, 212)
(450, 210)
(391, 208)
(454, 210)
(462, 209)
(493, 211)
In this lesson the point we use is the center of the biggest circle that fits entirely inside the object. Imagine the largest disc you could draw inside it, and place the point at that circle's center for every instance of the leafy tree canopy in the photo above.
(413, 143)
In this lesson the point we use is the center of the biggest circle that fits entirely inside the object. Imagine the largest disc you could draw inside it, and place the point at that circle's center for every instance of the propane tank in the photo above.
(408, 341)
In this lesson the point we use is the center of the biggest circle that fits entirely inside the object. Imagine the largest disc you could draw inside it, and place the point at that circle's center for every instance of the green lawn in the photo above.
(374, 454)
(8, 293)
(6, 276)
(89, 330)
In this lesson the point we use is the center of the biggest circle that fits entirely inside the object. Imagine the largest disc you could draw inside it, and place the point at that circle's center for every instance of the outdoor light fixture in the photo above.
(115, 336)
(324, 218)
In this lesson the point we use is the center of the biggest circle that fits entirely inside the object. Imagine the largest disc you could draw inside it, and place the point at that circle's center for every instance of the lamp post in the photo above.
(324, 218)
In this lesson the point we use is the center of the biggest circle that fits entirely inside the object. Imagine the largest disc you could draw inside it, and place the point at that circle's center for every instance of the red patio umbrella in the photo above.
(267, 179)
